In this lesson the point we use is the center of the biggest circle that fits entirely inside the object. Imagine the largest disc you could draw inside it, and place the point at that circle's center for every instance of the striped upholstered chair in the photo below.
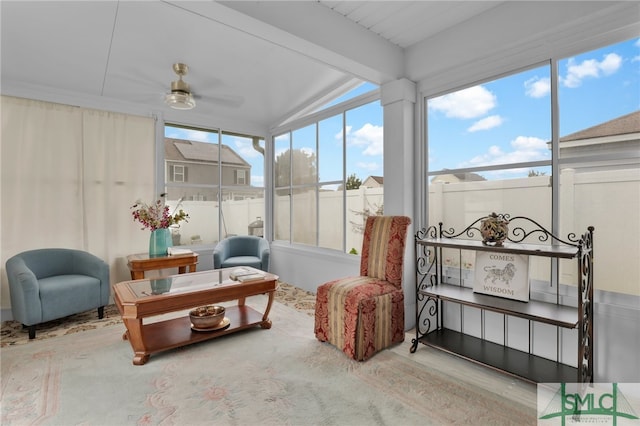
(365, 314)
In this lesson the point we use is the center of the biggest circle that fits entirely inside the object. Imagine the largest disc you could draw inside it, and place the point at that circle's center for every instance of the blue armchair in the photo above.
(52, 283)
(242, 250)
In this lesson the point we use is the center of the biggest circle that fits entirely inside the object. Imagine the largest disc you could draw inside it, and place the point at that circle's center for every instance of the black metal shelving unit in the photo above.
(432, 293)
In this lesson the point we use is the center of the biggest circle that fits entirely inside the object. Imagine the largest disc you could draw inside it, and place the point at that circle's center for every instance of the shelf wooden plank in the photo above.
(558, 250)
(549, 313)
(512, 361)
(163, 335)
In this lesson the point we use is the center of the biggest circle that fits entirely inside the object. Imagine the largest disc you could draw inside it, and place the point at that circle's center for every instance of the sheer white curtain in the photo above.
(41, 176)
(118, 152)
(69, 176)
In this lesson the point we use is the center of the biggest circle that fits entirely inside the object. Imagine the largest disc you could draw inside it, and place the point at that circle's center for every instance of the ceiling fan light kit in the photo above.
(180, 100)
(180, 96)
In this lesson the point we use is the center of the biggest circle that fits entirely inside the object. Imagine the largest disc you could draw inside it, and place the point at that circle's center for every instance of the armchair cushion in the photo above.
(48, 284)
(242, 250)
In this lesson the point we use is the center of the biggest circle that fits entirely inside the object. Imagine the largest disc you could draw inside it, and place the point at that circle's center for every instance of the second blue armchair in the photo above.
(242, 250)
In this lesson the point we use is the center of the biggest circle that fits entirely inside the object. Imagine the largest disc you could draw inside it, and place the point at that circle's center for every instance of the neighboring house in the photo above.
(457, 178)
(615, 144)
(190, 165)
(373, 182)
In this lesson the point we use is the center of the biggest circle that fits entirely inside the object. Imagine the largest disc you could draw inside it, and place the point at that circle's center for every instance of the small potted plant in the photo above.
(157, 218)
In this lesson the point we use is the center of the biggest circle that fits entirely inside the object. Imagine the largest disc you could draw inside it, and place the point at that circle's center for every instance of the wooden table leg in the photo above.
(137, 275)
(135, 334)
(266, 322)
(182, 269)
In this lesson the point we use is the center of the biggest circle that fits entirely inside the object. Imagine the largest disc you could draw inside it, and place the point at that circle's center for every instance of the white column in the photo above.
(398, 100)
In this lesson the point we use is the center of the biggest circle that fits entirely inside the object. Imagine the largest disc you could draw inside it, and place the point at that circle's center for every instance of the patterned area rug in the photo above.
(12, 332)
(278, 376)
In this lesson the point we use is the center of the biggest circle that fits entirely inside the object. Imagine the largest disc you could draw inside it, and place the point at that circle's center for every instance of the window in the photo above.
(241, 177)
(177, 173)
(489, 150)
(494, 147)
(599, 159)
(219, 181)
(319, 166)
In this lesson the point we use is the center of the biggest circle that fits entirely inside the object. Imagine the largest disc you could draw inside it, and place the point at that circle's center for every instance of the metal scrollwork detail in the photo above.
(585, 331)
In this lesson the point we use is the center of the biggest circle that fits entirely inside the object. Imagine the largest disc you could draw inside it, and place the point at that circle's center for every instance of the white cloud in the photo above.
(244, 147)
(371, 167)
(198, 135)
(590, 68)
(529, 143)
(369, 136)
(338, 135)
(611, 63)
(192, 135)
(525, 148)
(486, 123)
(537, 87)
(495, 151)
(473, 102)
(307, 151)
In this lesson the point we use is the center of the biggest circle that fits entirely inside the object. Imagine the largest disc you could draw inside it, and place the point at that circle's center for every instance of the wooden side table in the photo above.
(139, 263)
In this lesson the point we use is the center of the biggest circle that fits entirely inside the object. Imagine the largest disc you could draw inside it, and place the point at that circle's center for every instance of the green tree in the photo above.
(305, 168)
(353, 182)
(533, 173)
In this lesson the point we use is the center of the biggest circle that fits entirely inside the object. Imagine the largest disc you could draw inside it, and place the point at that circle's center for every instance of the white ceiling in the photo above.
(406, 23)
(252, 64)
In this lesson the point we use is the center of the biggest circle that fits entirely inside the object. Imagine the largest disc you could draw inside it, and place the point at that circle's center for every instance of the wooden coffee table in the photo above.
(139, 263)
(139, 299)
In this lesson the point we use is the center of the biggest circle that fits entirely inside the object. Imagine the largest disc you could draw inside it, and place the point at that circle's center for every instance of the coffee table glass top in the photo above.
(183, 283)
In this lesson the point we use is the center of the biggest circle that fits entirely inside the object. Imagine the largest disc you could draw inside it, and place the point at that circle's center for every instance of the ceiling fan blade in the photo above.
(231, 101)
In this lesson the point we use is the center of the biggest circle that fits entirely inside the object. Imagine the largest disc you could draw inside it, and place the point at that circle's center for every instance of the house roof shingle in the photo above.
(625, 124)
(182, 149)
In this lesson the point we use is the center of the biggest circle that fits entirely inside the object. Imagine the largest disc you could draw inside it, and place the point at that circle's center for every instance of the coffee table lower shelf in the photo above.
(173, 333)
(517, 363)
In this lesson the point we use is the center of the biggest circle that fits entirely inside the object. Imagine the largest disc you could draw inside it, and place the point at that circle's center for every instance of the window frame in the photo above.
(164, 177)
(315, 119)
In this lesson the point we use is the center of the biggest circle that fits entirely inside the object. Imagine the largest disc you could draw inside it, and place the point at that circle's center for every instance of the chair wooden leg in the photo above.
(100, 312)
(32, 331)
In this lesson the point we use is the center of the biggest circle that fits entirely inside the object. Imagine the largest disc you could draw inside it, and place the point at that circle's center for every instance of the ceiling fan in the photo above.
(180, 96)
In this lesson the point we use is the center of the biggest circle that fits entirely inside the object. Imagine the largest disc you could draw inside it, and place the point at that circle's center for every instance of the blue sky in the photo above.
(509, 120)
(499, 122)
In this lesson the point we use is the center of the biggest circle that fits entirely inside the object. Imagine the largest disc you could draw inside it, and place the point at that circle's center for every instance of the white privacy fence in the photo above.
(607, 200)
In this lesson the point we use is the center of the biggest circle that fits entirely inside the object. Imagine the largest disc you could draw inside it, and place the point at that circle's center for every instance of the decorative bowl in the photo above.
(207, 316)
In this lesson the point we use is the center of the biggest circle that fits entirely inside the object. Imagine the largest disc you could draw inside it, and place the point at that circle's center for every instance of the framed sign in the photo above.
(502, 274)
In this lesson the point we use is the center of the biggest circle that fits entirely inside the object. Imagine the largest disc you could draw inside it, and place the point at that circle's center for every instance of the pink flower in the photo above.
(156, 216)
